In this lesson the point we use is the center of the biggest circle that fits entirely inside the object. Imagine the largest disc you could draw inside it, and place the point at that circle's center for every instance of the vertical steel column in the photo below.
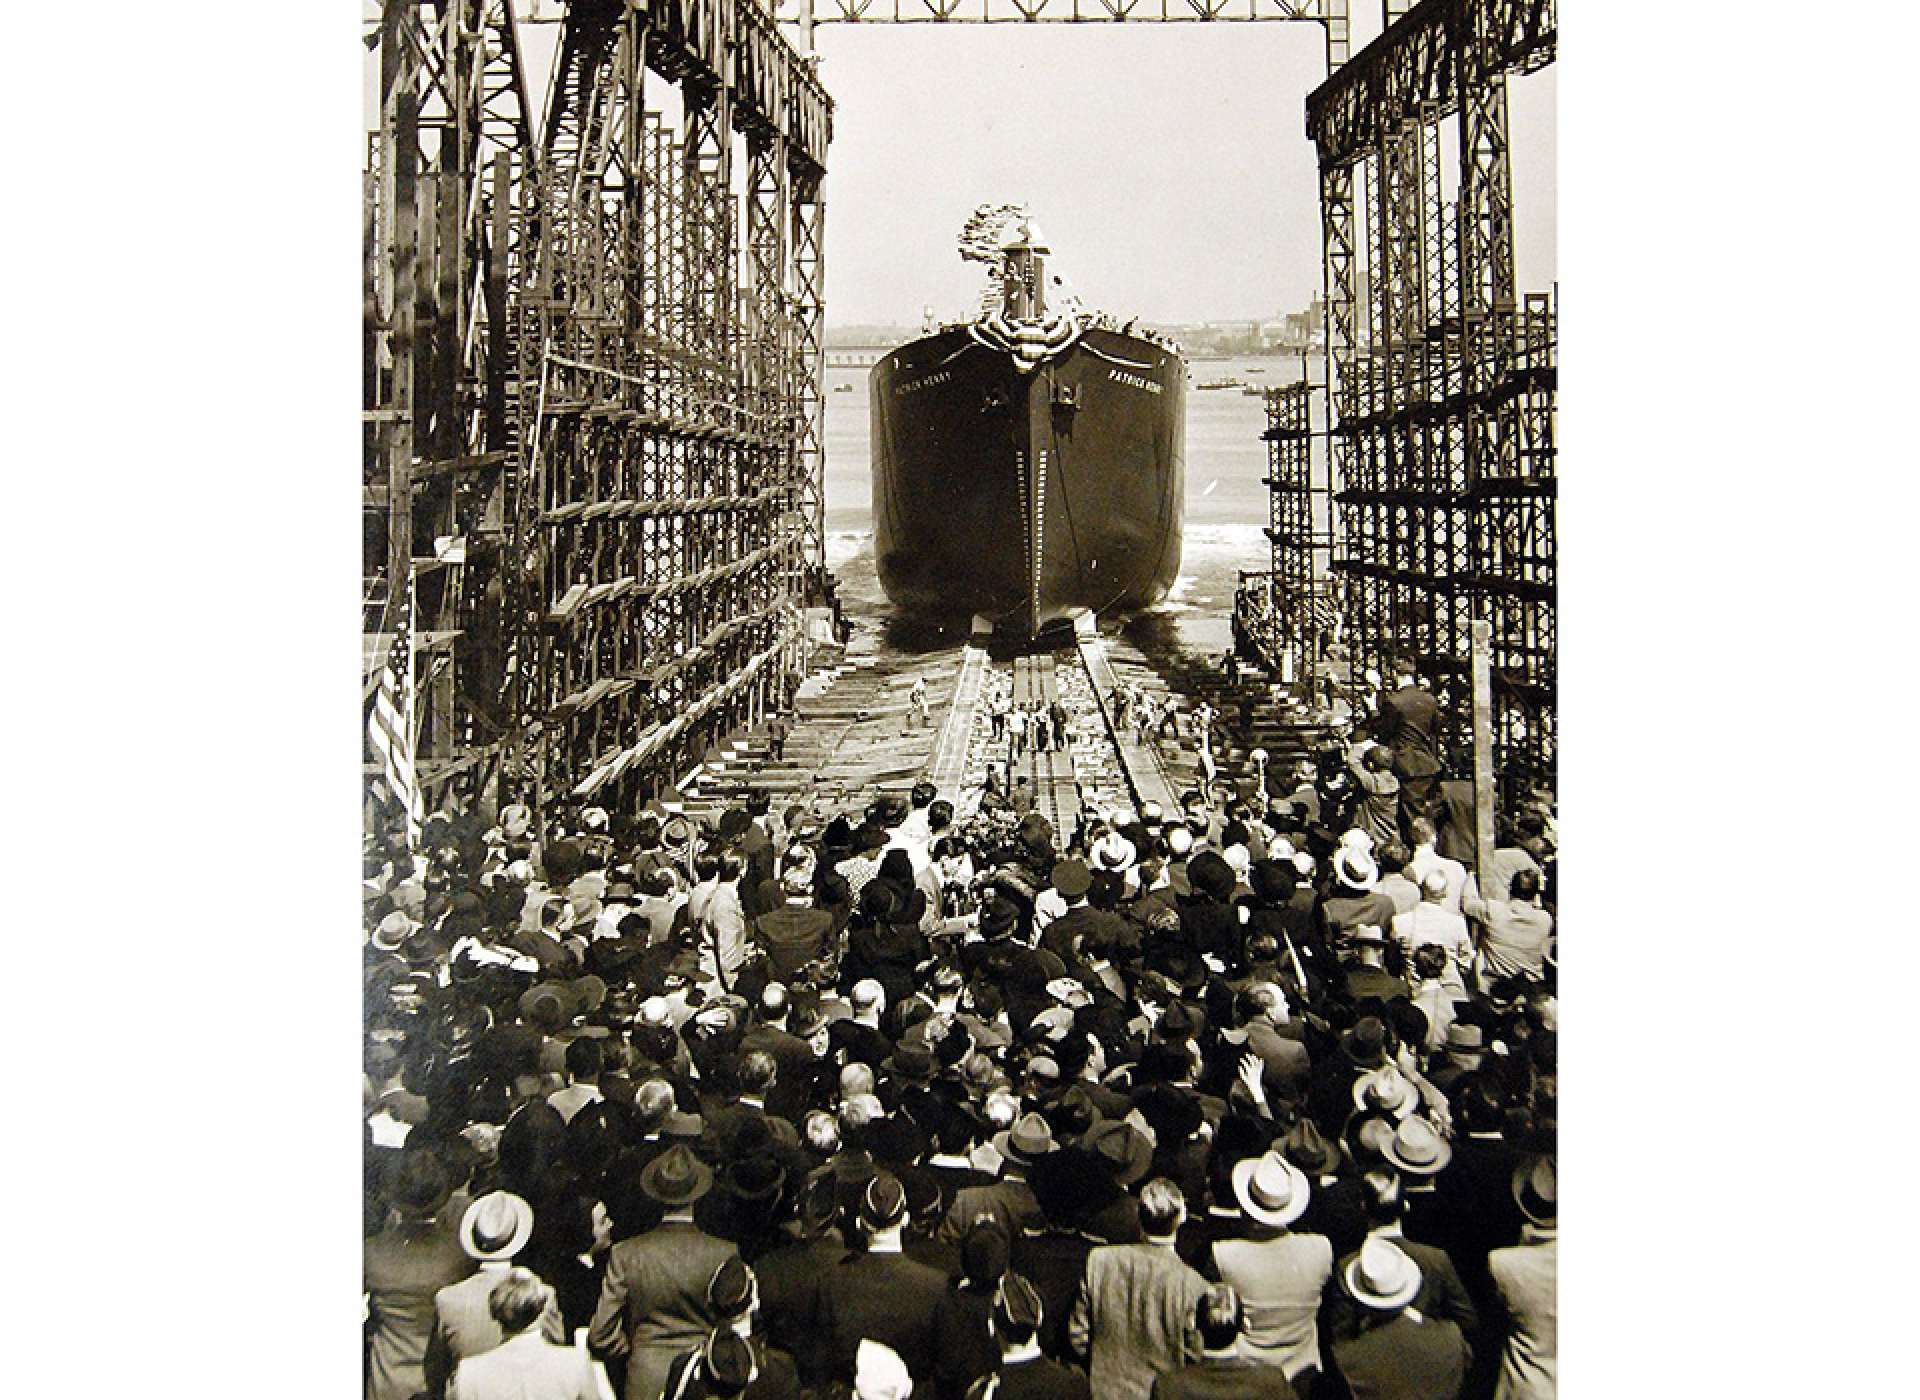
(810, 319)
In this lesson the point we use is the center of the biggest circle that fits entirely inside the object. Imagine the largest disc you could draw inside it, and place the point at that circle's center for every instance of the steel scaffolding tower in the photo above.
(1441, 385)
(607, 345)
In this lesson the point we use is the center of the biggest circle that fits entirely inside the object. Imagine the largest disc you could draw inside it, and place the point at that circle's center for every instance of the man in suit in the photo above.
(525, 1366)
(493, 1231)
(879, 1294)
(1410, 725)
(1287, 1068)
(1134, 1316)
(1222, 1373)
(737, 1359)
(1527, 1276)
(1010, 1200)
(1023, 1373)
(653, 1301)
(1399, 1354)
(404, 1267)
(769, 1033)
(1442, 1296)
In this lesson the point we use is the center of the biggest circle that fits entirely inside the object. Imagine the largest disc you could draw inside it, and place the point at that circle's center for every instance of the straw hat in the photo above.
(1381, 1276)
(1386, 1090)
(1536, 1190)
(1418, 1149)
(496, 1226)
(1271, 1189)
(1355, 869)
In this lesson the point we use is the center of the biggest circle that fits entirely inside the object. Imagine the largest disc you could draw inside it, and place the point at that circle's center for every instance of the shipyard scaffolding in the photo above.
(1441, 384)
(594, 414)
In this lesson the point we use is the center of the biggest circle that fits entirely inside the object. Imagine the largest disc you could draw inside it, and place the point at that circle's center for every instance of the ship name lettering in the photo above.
(1137, 381)
(937, 377)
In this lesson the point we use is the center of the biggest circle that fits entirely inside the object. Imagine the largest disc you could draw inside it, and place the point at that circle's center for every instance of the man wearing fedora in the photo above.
(1527, 1275)
(1010, 1199)
(1279, 1275)
(1442, 1294)
(653, 1300)
(495, 1228)
(1398, 1354)
(1353, 901)
(404, 1268)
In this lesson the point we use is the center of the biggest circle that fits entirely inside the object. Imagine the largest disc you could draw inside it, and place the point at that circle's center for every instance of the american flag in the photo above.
(390, 725)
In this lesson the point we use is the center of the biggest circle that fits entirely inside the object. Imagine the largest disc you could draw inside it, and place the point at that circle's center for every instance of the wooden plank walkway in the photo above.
(1145, 771)
(947, 768)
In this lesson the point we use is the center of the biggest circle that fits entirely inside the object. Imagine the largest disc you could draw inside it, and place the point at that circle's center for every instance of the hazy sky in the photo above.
(1167, 164)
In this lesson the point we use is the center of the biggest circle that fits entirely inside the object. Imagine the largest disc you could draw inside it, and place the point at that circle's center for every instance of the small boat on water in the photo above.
(843, 388)
(1220, 384)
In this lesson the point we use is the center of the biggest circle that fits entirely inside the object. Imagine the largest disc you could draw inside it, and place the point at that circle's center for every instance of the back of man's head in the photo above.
(518, 1300)
(1526, 885)
(585, 1058)
(1163, 1206)
(1219, 1317)
(1381, 1197)
(756, 1072)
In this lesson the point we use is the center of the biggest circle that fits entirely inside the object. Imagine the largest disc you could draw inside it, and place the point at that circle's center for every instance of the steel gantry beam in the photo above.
(1442, 392)
(452, 148)
(586, 379)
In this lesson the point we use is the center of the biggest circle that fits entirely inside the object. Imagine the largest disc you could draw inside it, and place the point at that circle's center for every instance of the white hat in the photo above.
(880, 1374)
(1239, 858)
(1355, 869)
(1386, 1090)
(1380, 1276)
(1271, 1189)
(1354, 839)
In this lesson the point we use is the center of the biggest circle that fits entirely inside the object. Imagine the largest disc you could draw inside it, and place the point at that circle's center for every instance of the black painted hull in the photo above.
(1028, 500)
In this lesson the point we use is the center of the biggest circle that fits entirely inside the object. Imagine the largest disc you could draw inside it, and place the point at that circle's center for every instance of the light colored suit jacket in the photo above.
(463, 1325)
(1527, 1276)
(528, 1367)
(1134, 1318)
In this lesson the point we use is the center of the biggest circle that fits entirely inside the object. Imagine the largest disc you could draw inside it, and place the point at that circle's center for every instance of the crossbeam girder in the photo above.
(1419, 63)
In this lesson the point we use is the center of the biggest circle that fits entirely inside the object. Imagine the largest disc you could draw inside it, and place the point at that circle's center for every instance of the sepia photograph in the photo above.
(961, 798)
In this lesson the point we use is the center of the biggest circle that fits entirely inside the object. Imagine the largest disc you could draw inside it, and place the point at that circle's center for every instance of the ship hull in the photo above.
(1026, 501)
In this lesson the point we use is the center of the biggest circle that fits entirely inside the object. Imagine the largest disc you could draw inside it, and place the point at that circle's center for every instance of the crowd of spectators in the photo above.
(1251, 1098)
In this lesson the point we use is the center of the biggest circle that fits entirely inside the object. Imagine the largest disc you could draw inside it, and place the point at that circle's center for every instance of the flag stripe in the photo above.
(390, 725)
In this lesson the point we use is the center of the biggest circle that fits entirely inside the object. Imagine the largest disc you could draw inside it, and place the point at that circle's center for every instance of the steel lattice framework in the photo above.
(594, 374)
(1442, 382)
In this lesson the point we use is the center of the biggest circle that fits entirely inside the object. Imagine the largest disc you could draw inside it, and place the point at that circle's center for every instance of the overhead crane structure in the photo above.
(593, 388)
(1442, 380)
(594, 402)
